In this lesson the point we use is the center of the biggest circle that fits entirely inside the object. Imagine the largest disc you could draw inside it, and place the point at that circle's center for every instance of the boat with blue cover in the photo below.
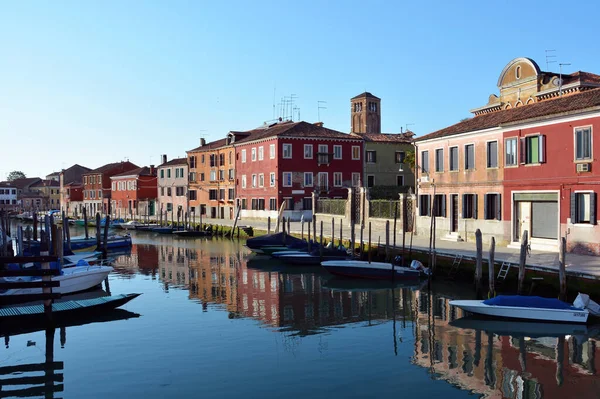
(314, 257)
(275, 242)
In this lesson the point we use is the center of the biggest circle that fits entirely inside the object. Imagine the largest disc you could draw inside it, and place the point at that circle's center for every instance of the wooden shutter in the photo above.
(443, 206)
(574, 208)
(522, 150)
(542, 148)
(593, 208)
(485, 206)
(429, 204)
(474, 206)
(499, 206)
(464, 208)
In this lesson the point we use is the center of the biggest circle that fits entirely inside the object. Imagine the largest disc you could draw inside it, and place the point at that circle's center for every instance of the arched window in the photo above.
(518, 104)
(518, 72)
(530, 101)
(508, 106)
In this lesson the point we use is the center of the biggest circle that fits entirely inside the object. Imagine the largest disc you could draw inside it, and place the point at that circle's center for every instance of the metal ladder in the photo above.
(455, 264)
(504, 268)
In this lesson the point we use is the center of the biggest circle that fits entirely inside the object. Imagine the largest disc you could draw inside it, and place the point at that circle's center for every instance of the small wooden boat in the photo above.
(192, 233)
(163, 230)
(131, 225)
(315, 257)
(63, 310)
(147, 227)
(274, 243)
(372, 270)
(525, 307)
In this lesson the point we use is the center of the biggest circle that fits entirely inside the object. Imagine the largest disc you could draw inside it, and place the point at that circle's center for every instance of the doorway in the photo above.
(523, 219)
(454, 213)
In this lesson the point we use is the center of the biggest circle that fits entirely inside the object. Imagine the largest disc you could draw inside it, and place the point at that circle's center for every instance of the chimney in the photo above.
(320, 124)
(202, 142)
(151, 170)
(164, 158)
(400, 129)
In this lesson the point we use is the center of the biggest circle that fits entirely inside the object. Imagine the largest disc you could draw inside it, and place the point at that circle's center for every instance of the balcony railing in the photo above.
(324, 158)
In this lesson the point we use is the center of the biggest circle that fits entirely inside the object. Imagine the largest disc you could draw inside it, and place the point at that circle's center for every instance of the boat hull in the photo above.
(523, 313)
(373, 270)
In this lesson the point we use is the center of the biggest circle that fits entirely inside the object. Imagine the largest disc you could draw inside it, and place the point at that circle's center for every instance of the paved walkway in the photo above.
(577, 265)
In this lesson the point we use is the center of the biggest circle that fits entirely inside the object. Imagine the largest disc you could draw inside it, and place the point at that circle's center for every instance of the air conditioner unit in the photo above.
(583, 167)
(425, 179)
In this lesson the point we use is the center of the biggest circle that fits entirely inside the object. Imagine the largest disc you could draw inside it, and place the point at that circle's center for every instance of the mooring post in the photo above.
(395, 222)
(369, 254)
(341, 238)
(302, 227)
(283, 228)
(314, 223)
(105, 243)
(478, 260)
(98, 234)
(269, 225)
(68, 233)
(332, 231)
(522, 261)
(387, 240)
(362, 246)
(289, 220)
(309, 244)
(560, 359)
(404, 227)
(562, 274)
(321, 246)
(491, 270)
(85, 223)
(44, 251)
(35, 227)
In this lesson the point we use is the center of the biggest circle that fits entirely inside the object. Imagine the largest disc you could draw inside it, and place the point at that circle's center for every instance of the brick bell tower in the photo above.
(366, 113)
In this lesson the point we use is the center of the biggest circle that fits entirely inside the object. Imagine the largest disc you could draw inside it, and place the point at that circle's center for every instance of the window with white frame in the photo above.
(323, 149)
(510, 152)
(114, 186)
(399, 157)
(425, 161)
(492, 207)
(308, 179)
(273, 204)
(323, 180)
(261, 153)
(371, 157)
(287, 179)
(337, 152)
(253, 154)
(287, 151)
(337, 179)
(272, 179)
(469, 157)
(453, 161)
(583, 144)
(243, 181)
(439, 160)
(261, 180)
(308, 151)
(213, 175)
(492, 154)
(583, 207)
(355, 179)
(253, 181)
(532, 149)
(272, 151)
(243, 156)
(355, 152)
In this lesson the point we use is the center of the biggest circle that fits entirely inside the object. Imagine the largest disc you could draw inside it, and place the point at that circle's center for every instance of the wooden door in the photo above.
(524, 219)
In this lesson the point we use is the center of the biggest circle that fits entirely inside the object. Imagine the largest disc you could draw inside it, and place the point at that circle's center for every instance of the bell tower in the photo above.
(365, 111)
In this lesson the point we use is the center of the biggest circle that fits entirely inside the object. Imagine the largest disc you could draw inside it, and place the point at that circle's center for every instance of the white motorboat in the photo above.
(527, 308)
(131, 225)
(89, 257)
(72, 279)
(373, 270)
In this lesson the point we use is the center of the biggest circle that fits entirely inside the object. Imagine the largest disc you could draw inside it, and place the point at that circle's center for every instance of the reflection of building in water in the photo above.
(213, 278)
(142, 259)
(173, 264)
(501, 366)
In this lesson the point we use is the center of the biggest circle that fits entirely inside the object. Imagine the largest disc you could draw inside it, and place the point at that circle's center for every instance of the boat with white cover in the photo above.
(528, 308)
(373, 270)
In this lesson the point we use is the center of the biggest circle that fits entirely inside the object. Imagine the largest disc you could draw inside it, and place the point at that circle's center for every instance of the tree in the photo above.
(409, 159)
(15, 174)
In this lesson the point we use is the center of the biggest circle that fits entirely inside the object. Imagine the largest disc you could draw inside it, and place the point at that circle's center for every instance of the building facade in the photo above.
(69, 179)
(8, 196)
(133, 193)
(73, 195)
(172, 188)
(97, 186)
(50, 192)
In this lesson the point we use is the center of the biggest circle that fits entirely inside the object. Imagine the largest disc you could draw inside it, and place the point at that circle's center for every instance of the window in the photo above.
(162, 173)
(518, 72)
(308, 151)
(355, 152)
(192, 195)
(308, 179)
(469, 157)
(253, 204)
(532, 149)
(371, 157)
(399, 180)
(244, 203)
(439, 205)
(492, 207)
(253, 181)
(510, 152)
(261, 204)
(425, 161)
(222, 194)
(180, 191)
(287, 179)
(583, 144)
(337, 179)
(243, 156)
(213, 175)
(273, 204)
(583, 207)
(221, 160)
(168, 191)
(492, 154)
(370, 181)
(469, 206)
(399, 157)
(307, 203)
(272, 179)
(192, 162)
(162, 191)
(355, 179)
(202, 158)
(323, 149)
(231, 174)
(261, 180)
(289, 204)
(231, 194)
(243, 181)
(99, 193)
(176, 173)
(253, 154)
(337, 152)
(287, 151)
(213, 160)
(425, 205)
(85, 179)
(114, 187)
(201, 176)
(230, 157)
(192, 177)
(222, 174)
(439, 160)
(169, 173)
(323, 180)
(212, 195)
(169, 207)
(261, 153)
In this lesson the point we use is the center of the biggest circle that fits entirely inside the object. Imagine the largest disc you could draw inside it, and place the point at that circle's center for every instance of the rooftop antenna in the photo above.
(297, 109)
(319, 108)
(550, 58)
(560, 82)
(292, 98)
(407, 125)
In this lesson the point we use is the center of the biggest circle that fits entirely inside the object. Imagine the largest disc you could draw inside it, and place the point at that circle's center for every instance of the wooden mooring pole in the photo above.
(309, 244)
(269, 225)
(369, 254)
(341, 232)
(478, 261)
(85, 222)
(522, 261)
(105, 241)
(98, 234)
(332, 231)
(562, 273)
(491, 269)
(321, 241)
(387, 240)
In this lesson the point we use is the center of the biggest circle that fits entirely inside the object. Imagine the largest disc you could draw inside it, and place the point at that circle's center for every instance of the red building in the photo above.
(97, 185)
(133, 193)
(288, 161)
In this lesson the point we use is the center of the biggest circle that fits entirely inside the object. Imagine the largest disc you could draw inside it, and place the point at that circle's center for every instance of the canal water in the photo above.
(216, 321)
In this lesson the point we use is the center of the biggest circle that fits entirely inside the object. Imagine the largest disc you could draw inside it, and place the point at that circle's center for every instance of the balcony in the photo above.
(324, 158)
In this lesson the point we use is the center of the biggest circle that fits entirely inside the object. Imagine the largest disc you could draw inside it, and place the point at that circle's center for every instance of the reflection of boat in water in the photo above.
(350, 284)
(268, 264)
(530, 329)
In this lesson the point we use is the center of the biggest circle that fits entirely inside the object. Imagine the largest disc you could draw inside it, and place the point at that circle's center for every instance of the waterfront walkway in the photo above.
(577, 265)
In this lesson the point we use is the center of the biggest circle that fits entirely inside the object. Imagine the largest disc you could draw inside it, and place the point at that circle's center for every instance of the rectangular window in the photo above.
(337, 152)
(399, 157)
(261, 153)
(273, 204)
(243, 181)
(492, 207)
(583, 207)
(453, 158)
(399, 180)
(213, 175)
(162, 191)
(510, 152)
(371, 157)
(201, 176)
(272, 179)
(287, 151)
(222, 174)
(202, 158)
(532, 149)
(439, 204)
(243, 156)
(439, 160)
(176, 173)
(308, 151)
(261, 180)
(289, 204)
(99, 193)
(261, 204)
(212, 195)
(323, 149)
(355, 152)
(307, 203)
(114, 187)
(308, 179)
(469, 157)
(231, 174)
(253, 204)
(192, 195)
(231, 194)
(253, 154)
(253, 181)
(355, 179)
(169, 191)
(162, 173)
(492, 154)
(169, 207)
(272, 151)
(192, 162)
(469, 206)
(244, 203)
(323, 180)
(222, 194)
(425, 205)
(370, 181)
(337, 179)
(425, 161)
(169, 173)
(221, 160)
(213, 160)
(287, 179)
(192, 177)
(583, 144)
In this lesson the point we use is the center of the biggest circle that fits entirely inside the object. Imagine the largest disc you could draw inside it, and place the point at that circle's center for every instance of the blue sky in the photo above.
(93, 82)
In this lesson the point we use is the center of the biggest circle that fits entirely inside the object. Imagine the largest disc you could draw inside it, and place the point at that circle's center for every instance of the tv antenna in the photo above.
(560, 82)
(407, 125)
(550, 58)
(319, 108)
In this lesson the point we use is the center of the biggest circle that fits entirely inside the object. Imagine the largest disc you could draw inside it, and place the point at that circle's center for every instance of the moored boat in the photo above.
(372, 270)
(192, 233)
(275, 242)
